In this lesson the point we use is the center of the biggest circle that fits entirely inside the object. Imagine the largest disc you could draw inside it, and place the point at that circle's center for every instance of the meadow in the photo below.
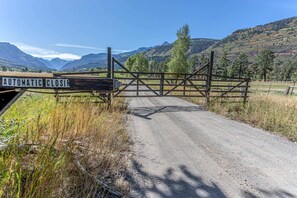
(65, 149)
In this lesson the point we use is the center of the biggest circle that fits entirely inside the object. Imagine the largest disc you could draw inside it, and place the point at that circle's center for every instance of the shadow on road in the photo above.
(145, 112)
(169, 185)
(180, 182)
(272, 194)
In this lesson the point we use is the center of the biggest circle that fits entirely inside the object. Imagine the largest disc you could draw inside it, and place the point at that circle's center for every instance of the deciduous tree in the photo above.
(137, 62)
(178, 62)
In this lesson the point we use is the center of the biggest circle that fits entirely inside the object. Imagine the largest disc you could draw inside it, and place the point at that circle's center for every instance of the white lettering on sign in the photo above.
(35, 82)
(57, 83)
(21, 82)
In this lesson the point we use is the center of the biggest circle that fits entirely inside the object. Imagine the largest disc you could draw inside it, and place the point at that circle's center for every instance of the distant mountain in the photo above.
(97, 60)
(55, 64)
(165, 43)
(159, 53)
(279, 37)
(10, 64)
(86, 62)
(58, 63)
(14, 57)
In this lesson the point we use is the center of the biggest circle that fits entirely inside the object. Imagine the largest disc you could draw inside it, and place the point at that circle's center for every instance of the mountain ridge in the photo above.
(278, 36)
(19, 58)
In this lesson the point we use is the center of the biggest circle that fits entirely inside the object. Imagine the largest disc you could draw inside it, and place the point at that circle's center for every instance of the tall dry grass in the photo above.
(276, 113)
(63, 149)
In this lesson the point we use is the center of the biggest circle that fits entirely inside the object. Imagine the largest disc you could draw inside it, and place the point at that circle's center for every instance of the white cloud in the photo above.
(45, 53)
(65, 56)
(86, 47)
(77, 46)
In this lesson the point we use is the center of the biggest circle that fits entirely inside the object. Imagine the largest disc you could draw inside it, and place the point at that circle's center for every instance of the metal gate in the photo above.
(200, 83)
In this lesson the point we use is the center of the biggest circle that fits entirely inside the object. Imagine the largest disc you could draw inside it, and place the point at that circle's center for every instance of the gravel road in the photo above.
(181, 150)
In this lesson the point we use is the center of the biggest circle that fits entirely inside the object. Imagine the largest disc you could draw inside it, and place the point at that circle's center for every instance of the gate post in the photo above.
(185, 83)
(109, 72)
(209, 77)
(246, 91)
(137, 85)
(162, 84)
(112, 68)
(108, 62)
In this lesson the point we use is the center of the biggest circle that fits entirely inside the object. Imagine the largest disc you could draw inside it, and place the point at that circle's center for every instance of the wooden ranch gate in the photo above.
(199, 83)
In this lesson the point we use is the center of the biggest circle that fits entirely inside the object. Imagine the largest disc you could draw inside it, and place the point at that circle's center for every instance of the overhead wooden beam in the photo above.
(63, 83)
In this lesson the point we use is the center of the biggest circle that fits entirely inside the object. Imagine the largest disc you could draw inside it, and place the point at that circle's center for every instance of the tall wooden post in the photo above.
(185, 83)
(162, 84)
(137, 85)
(292, 91)
(209, 77)
(246, 91)
(108, 62)
(109, 72)
(112, 68)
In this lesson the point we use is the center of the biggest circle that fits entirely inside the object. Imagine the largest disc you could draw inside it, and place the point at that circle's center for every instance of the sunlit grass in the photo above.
(46, 141)
(275, 113)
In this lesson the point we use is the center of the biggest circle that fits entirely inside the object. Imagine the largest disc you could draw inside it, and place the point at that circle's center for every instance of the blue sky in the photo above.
(71, 28)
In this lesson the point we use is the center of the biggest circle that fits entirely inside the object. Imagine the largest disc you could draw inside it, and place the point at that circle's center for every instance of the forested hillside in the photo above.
(277, 38)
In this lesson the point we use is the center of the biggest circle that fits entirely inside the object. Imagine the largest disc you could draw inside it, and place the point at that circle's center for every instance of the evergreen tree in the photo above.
(265, 63)
(240, 65)
(277, 73)
(178, 62)
(222, 68)
(288, 70)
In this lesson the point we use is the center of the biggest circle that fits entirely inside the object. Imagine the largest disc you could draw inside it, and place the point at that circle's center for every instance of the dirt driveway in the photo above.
(181, 150)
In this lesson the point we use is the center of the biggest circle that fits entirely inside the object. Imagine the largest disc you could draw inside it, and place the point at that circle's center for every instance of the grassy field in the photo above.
(278, 88)
(62, 149)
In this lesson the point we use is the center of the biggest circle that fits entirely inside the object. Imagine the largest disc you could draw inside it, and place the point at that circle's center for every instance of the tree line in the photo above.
(263, 67)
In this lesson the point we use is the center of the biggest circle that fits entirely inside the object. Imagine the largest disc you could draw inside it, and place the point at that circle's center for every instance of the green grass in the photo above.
(46, 140)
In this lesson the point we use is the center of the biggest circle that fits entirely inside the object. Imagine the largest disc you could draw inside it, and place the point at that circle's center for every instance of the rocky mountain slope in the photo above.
(14, 57)
(279, 37)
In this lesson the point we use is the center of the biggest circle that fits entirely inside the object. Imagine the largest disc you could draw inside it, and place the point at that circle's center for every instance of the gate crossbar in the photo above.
(229, 90)
(186, 79)
(135, 77)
